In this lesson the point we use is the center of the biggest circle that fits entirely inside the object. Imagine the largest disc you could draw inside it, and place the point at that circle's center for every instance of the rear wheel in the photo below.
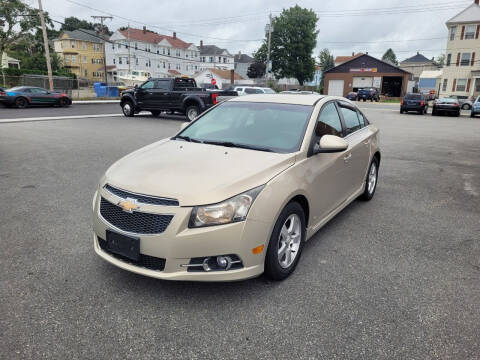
(371, 182)
(63, 102)
(286, 242)
(21, 103)
(127, 108)
(155, 113)
(465, 107)
(401, 111)
(192, 112)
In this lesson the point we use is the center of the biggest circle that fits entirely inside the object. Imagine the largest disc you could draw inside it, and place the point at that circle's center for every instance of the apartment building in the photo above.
(211, 56)
(144, 51)
(81, 51)
(461, 74)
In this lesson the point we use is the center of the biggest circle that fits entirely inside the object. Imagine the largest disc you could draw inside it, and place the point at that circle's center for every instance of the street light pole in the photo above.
(45, 44)
(104, 43)
(268, 48)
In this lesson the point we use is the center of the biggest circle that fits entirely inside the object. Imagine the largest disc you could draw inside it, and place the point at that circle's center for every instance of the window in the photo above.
(363, 120)
(168, 66)
(38, 91)
(158, 51)
(329, 120)
(470, 32)
(465, 59)
(250, 91)
(351, 119)
(85, 59)
(113, 61)
(219, 59)
(461, 85)
(74, 58)
(86, 72)
(477, 86)
(113, 46)
(72, 42)
(120, 60)
(148, 85)
(164, 64)
(84, 46)
(177, 52)
(163, 84)
(449, 59)
(224, 60)
(136, 61)
(136, 46)
(163, 51)
(67, 58)
(444, 86)
(211, 58)
(452, 32)
(168, 51)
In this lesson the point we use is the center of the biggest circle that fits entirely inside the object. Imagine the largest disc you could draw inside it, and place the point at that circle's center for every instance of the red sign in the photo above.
(213, 81)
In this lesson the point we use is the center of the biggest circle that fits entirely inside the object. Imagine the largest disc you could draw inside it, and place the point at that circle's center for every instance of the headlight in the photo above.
(232, 210)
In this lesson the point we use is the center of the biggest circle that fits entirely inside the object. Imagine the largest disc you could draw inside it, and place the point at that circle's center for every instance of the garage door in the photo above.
(360, 82)
(335, 87)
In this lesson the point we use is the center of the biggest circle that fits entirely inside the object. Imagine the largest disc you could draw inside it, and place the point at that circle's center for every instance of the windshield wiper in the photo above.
(187, 138)
(237, 145)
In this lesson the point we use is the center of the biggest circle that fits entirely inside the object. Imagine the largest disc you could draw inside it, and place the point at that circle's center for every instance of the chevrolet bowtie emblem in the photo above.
(129, 205)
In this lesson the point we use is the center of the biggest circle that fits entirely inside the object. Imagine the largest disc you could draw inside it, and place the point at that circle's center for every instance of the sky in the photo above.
(347, 26)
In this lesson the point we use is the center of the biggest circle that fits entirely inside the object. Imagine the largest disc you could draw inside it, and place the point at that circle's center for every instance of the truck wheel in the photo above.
(128, 109)
(192, 112)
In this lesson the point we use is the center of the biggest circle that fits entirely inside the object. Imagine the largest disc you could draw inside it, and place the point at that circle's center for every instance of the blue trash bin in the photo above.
(100, 89)
(113, 91)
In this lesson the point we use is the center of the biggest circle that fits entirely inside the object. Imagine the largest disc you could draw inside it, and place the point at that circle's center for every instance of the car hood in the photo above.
(194, 173)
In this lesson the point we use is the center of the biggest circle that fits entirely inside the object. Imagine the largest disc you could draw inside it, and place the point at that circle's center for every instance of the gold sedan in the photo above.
(238, 191)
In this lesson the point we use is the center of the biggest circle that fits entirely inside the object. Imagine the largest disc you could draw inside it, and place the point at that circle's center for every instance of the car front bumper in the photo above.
(178, 244)
(412, 107)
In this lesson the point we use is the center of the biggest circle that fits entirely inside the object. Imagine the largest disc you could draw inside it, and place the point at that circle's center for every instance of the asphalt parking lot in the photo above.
(397, 277)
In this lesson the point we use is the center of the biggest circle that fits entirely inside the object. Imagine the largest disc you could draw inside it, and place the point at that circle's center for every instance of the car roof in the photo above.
(305, 99)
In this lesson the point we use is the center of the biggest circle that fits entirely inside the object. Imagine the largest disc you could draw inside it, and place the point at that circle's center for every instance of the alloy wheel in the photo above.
(372, 178)
(289, 240)
(192, 114)
(127, 109)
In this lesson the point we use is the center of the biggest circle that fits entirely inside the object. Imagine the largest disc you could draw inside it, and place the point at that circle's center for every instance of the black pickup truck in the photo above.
(171, 94)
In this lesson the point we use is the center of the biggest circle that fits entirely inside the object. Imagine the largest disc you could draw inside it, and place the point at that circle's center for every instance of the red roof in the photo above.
(153, 37)
(342, 59)
(174, 72)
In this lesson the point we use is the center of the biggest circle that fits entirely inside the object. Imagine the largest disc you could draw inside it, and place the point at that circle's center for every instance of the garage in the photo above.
(335, 87)
(365, 71)
(362, 82)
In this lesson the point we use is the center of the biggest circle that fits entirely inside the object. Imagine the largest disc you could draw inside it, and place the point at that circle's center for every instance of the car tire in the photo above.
(457, 114)
(21, 103)
(465, 107)
(192, 112)
(401, 111)
(371, 181)
(472, 115)
(434, 112)
(62, 102)
(155, 113)
(289, 233)
(128, 108)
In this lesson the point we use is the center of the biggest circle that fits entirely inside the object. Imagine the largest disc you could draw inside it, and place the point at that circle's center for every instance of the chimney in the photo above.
(201, 43)
(232, 76)
(174, 35)
(366, 53)
(144, 29)
(418, 52)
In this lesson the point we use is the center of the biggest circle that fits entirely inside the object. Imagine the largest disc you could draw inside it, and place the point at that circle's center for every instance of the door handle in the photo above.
(347, 157)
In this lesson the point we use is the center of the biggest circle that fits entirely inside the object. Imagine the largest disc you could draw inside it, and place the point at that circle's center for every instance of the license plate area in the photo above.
(122, 245)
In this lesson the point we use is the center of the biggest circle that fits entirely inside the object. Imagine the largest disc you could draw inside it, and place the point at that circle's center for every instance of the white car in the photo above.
(247, 90)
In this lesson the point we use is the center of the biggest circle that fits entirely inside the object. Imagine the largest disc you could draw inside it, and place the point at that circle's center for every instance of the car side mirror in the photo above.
(184, 125)
(136, 86)
(330, 144)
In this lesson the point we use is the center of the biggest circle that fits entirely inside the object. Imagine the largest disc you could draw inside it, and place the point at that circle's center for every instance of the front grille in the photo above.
(145, 199)
(136, 222)
(146, 261)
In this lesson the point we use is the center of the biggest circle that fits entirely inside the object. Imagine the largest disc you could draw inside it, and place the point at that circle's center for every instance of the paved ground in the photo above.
(397, 277)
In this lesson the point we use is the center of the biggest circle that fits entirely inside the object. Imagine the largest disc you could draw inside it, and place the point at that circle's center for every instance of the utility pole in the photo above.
(269, 27)
(128, 40)
(104, 43)
(45, 44)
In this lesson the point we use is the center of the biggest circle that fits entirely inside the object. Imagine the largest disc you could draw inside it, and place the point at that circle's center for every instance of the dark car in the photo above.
(413, 102)
(179, 95)
(352, 96)
(446, 106)
(371, 94)
(475, 107)
(24, 96)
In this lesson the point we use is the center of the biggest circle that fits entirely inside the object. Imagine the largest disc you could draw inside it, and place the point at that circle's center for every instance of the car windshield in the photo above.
(413, 96)
(259, 126)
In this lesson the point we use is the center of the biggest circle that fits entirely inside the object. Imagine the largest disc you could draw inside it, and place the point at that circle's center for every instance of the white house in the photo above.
(461, 73)
(9, 62)
(211, 56)
(143, 50)
(222, 77)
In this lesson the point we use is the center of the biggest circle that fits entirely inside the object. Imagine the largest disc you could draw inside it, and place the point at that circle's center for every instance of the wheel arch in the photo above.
(377, 156)
(303, 202)
(193, 100)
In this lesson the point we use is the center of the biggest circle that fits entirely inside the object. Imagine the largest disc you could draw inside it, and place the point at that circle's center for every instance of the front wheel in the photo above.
(192, 112)
(155, 113)
(286, 242)
(21, 103)
(127, 108)
(63, 102)
(371, 182)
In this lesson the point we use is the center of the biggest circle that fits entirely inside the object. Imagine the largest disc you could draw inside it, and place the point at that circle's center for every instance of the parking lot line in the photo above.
(47, 118)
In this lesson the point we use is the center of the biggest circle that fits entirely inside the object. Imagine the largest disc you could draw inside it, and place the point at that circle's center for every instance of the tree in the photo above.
(261, 54)
(325, 60)
(256, 70)
(72, 23)
(17, 20)
(294, 37)
(440, 59)
(390, 56)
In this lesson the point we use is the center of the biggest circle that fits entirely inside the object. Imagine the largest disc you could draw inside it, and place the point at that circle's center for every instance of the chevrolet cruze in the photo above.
(237, 192)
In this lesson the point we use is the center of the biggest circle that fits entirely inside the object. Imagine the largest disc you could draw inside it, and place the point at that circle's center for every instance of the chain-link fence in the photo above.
(60, 83)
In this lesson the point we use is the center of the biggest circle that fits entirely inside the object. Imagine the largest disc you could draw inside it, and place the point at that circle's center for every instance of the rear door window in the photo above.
(352, 122)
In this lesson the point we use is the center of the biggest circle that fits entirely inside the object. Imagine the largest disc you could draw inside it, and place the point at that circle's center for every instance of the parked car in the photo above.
(413, 102)
(303, 92)
(171, 94)
(475, 107)
(178, 210)
(352, 96)
(464, 102)
(446, 106)
(371, 94)
(248, 90)
(25, 96)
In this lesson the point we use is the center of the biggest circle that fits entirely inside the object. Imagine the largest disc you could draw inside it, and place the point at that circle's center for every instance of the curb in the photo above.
(86, 102)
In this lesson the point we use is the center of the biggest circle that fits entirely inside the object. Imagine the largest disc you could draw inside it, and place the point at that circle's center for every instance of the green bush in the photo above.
(20, 72)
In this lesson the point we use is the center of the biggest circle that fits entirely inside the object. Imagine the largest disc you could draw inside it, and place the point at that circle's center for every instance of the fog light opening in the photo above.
(206, 267)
